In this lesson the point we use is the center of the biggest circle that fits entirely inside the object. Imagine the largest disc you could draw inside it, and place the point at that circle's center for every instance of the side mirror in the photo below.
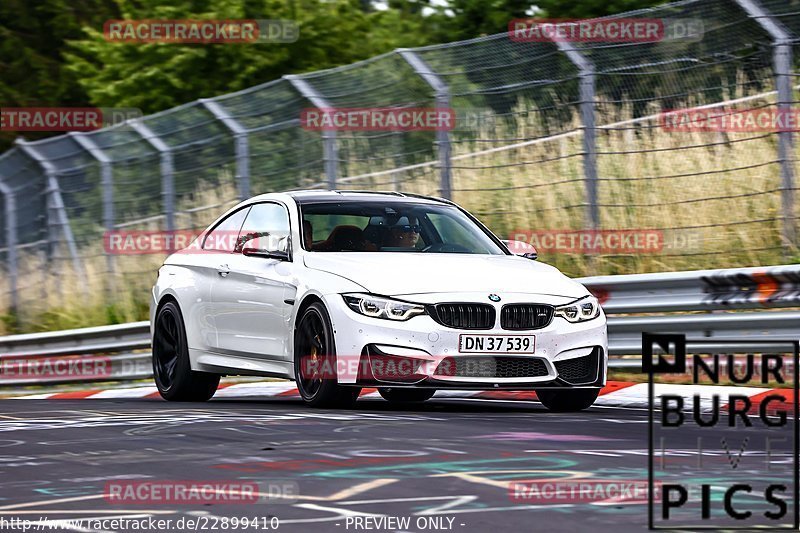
(267, 254)
(267, 248)
(522, 249)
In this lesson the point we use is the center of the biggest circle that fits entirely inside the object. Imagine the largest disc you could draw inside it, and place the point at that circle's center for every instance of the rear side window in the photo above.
(223, 236)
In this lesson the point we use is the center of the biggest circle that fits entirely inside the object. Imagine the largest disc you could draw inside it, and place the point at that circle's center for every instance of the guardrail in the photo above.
(116, 338)
(110, 352)
(698, 290)
(625, 333)
(104, 353)
(678, 298)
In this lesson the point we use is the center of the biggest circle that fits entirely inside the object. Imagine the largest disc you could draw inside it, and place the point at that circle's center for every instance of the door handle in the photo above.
(223, 270)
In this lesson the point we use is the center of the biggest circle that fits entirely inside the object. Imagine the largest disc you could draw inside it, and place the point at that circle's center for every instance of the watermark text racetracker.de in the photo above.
(202, 492)
(136, 242)
(384, 368)
(188, 31)
(718, 119)
(612, 241)
(54, 368)
(608, 30)
(64, 118)
(378, 119)
(589, 490)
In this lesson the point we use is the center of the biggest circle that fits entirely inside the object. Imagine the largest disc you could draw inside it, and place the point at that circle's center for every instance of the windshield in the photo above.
(370, 226)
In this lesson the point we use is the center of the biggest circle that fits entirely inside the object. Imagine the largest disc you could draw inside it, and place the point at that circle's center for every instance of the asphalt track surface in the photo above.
(445, 465)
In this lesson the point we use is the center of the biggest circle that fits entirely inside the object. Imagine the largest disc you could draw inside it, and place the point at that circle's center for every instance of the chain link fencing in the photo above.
(550, 135)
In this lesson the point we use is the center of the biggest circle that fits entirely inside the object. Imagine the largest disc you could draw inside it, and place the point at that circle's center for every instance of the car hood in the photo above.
(399, 273)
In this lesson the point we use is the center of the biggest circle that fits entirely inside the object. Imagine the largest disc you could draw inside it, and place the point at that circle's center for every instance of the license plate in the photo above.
(496, 343)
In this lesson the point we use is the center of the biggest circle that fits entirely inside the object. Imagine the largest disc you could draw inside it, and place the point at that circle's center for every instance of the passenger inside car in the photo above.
(345, 238)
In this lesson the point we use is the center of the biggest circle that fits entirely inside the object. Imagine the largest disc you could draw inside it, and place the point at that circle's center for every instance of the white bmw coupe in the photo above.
(341, 290)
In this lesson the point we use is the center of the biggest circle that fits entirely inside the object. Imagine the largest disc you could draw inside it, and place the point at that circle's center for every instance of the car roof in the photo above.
(301, 197)
(317, 196)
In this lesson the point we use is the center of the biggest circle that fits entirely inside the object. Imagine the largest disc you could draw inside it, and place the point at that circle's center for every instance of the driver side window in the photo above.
(265, 228)
(223, 237)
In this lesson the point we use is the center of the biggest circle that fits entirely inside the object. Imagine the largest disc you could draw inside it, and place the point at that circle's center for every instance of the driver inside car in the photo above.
(404, 233)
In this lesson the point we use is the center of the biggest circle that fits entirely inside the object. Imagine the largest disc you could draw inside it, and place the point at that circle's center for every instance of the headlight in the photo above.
(581, 310)
(379, 307)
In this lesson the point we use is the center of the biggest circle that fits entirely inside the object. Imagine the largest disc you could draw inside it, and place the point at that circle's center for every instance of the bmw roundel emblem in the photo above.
(494, 297)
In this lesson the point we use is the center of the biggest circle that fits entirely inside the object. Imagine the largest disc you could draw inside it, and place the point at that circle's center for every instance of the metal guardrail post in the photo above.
(586, 75)
(782, 63)
(56, 211)
(241, 142)
(11, 242)
(329, 146)
(107, 184)
(167, 170)
(442, 95)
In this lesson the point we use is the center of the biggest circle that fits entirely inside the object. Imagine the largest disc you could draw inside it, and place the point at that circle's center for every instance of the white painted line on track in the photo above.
(242, 390)
(138, 392)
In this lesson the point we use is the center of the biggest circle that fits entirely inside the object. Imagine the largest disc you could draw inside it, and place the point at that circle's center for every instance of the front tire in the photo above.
(315, 361)
(172, 371)
(567, 400)
(401, 395)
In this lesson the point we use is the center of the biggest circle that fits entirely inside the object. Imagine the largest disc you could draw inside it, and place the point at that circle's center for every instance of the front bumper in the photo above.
(428, 351)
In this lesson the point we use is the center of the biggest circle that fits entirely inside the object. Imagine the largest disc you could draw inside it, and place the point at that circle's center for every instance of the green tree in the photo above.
(157, 76)
(466, 19)
(571, 9)
(32, 36)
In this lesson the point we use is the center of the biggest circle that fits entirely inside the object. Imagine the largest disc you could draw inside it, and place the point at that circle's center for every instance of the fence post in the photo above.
(56, 211)
(782, 62)
(242, 145)
(329, 146)
(107, 184)
(11, 243)
(167, 173)
(586, 76)
(442, 96)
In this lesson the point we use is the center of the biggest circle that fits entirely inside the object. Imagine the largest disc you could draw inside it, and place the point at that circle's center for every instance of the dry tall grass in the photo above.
(721, 190)
(54, 295)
